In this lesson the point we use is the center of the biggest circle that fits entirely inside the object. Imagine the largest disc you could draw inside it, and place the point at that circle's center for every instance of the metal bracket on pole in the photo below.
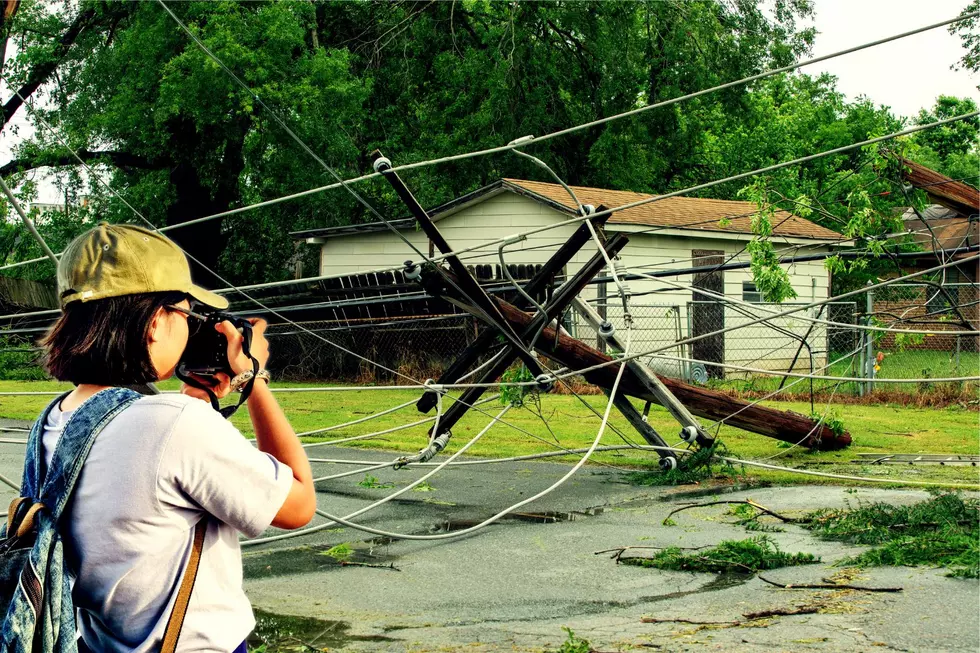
(648, 378)
(668, 460)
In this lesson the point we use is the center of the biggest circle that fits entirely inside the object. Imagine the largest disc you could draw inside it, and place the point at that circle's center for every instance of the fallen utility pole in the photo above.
(488, 337)
(709, 404)
(464, 281)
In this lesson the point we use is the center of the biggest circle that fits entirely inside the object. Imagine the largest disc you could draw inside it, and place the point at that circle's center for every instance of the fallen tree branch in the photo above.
(827, 586)
(347, 563)
(749, 616)
(652, 620)
(618, 552)
(788, 520)
(782, 612)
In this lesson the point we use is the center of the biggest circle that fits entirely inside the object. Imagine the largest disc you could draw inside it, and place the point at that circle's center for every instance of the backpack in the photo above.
(35, 591)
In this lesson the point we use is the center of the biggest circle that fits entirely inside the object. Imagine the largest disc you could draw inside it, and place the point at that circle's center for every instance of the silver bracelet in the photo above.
(241, 380)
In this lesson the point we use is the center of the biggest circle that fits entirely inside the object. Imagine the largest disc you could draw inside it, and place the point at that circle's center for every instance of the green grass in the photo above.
(942, 532)
(731, 556)
(913, 364)
(878, 429)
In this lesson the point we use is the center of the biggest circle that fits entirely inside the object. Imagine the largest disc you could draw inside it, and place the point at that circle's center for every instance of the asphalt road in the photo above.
(514, 585)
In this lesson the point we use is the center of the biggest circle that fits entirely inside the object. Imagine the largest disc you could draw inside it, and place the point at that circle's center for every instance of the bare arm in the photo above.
(275, 436)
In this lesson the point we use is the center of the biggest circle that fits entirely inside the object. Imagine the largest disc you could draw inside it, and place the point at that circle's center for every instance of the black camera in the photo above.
(206, 353)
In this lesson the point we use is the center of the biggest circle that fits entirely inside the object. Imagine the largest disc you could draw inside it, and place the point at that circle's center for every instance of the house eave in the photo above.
(721, 235)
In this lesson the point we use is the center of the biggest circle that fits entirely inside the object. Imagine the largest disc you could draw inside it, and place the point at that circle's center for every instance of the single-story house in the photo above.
(947, 230)
(674, 233)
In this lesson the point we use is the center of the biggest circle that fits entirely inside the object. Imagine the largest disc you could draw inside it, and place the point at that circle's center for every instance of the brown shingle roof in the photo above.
(961, 197)
(692, 213)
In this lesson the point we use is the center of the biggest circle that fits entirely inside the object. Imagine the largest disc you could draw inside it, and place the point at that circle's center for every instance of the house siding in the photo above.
(661, 318)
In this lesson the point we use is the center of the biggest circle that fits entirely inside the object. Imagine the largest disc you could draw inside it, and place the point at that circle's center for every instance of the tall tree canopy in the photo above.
(123, 85)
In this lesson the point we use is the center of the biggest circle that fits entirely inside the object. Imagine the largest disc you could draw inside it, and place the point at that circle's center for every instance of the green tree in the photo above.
(180, 140)
(951, 149)
(969, 37)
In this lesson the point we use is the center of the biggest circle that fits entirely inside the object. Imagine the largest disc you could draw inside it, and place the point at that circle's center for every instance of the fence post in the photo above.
(870, 340)
(690, 334)
(602, 294)
(862, 369)
(683, 368)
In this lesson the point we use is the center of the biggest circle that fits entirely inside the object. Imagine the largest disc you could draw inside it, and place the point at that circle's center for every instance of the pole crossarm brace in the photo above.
(486, 339)
(650, 381)
(562, 298)
(466, 283)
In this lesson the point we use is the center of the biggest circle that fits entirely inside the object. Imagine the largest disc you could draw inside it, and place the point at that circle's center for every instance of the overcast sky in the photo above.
(906, 75)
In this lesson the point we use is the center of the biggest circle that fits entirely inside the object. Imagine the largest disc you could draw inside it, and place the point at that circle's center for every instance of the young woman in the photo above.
(167, 461)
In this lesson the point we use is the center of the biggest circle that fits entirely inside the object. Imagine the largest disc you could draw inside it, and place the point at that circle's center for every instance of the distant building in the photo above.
(56, 207)
(947, 231)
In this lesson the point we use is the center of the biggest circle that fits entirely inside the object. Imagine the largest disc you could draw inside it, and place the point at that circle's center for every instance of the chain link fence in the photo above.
(423, 346)
(754, 343)
(920, 306)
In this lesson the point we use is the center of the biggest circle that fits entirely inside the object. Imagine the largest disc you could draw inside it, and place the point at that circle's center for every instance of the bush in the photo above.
(20, 362)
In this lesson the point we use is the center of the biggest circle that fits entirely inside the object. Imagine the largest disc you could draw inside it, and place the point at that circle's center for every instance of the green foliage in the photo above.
(956, 138)
(699, 466)
(423, 487)
(573, 643)
(943, 531)
(181, 140)
(19, 362)
(513, 394)
(770, 277)
(905, 340)
(373, 483)
(731, 556)
(341, 552)
(831, 419)
(969, 37)
(748, 517)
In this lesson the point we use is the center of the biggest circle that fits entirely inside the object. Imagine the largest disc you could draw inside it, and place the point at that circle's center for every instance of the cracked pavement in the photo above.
(514, 585)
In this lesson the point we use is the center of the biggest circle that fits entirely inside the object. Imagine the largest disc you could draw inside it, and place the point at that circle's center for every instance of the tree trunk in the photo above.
(204, 241)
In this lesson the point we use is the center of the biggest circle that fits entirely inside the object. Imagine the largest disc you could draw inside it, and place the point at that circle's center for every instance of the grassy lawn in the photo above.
(884, 428)
(896, 365)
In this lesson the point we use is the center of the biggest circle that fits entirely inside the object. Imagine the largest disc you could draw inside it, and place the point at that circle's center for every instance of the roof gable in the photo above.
(951, 193)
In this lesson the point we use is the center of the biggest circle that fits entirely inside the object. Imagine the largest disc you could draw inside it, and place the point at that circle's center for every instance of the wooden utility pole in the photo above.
(710, 404)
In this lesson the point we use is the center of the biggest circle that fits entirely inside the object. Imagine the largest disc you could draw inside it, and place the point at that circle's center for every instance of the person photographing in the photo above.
(167, 484)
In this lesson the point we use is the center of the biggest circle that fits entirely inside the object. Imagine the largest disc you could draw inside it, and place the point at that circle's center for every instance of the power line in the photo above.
(540, 139)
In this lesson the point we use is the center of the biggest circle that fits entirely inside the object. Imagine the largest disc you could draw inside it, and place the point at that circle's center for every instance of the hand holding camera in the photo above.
(224, 354)
(259, 349)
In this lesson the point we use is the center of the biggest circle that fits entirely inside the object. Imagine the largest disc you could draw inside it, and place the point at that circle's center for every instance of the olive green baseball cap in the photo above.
(113, 260)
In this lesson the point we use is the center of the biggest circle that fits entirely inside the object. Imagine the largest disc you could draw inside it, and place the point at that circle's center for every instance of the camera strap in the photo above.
(228, 411)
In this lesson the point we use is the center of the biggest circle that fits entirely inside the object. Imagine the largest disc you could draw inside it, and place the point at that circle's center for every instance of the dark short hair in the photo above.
(105, 341)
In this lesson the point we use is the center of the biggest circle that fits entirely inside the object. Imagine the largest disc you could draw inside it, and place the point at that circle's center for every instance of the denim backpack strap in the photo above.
(77, 437)
(34, 463)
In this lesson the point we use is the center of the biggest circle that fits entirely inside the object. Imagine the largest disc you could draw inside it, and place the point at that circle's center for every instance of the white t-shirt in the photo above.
(151, 474)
